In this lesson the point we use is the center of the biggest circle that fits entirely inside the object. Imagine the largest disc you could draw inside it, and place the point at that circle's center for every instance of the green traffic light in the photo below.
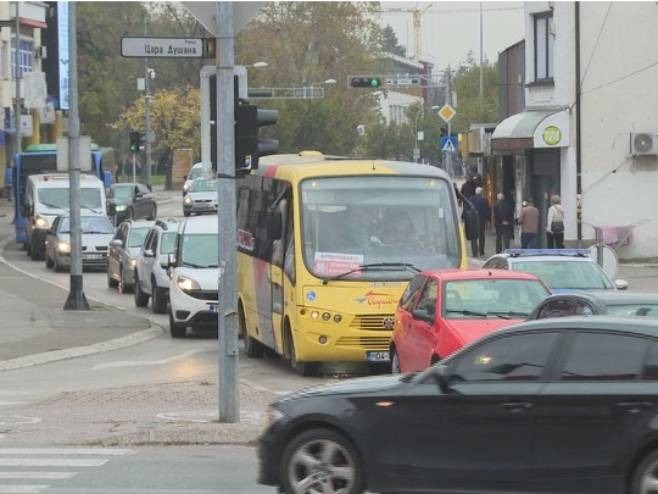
(374, 82)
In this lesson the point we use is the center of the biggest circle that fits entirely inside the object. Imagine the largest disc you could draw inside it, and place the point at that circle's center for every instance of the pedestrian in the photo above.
(555, 224)
(529, 221)
(468, 187)
(484, 214)
(504, 223)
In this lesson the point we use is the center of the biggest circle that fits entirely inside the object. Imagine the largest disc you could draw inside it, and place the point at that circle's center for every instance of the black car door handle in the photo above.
(634, 406)
(517, 406)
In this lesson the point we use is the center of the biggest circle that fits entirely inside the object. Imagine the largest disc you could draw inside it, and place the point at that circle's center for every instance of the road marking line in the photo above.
(66, 451)
(140, 363)
(22, 489)
(37, 475)
(51, 462)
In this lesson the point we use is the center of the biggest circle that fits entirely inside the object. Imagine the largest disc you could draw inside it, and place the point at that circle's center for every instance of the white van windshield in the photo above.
(90, 198)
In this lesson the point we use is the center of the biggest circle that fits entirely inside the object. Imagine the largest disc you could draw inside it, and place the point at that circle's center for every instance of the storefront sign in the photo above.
(553, 131)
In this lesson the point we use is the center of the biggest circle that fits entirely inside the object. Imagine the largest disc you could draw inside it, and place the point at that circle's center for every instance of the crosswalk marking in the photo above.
(65, 451)
(51, 462)
(37, 475)
(22, 489)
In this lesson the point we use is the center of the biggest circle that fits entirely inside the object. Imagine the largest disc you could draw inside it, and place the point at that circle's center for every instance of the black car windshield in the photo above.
(123, 192)
(168, 245)
(137, 236)
(477, 299)
(646, 310)
(89, 225)
(90, 197)
(199, 250)
(203, 185)
(566, 275)
(352, 221)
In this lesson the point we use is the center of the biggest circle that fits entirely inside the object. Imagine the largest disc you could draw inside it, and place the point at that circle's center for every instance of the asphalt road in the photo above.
(184, 470)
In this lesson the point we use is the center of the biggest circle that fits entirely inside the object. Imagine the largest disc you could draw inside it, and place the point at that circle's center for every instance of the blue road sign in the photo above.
(449, 144)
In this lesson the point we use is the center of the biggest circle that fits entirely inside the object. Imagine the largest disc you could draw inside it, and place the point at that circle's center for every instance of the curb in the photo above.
(79, 351)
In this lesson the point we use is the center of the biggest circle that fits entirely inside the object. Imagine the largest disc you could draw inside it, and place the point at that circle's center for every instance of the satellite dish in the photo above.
(610, 260)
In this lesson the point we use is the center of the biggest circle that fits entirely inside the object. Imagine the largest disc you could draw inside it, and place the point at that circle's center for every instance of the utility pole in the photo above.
(449, 100)
(147, 114)
(229, 399)
(17, 60)
(76, 299)
(481, 57)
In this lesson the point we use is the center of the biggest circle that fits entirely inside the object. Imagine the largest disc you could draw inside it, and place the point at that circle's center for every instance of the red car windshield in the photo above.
(478, 299)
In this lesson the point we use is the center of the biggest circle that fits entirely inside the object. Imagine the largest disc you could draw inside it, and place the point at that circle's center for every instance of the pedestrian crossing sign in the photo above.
(448, 144)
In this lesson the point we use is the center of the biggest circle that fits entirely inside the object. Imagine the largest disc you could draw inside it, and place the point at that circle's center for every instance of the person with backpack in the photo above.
(555, 224)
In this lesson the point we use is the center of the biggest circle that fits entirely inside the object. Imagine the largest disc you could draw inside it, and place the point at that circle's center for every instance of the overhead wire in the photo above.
(596, 44)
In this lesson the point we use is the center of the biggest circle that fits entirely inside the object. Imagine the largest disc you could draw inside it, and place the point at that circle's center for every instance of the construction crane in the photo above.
(416, 14)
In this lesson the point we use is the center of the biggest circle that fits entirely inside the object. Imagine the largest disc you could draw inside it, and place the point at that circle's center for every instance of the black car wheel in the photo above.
(154, 213)
(645, 478)
(123, 287)
(141, 298)
(176, 330)
(35, 251)
(158, 298)
(304, 369)
(111, 282)
(253, 348)
(49, 262)
(321, 460)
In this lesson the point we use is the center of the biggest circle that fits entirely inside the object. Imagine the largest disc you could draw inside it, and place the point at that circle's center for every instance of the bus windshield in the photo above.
(351, 221)
(52, 198)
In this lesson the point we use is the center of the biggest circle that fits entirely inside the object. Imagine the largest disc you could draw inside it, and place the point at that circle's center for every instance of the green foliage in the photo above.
(389, 42)
(471, 107)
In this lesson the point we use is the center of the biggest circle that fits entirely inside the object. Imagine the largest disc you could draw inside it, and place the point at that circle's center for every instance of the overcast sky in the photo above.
(450, 29)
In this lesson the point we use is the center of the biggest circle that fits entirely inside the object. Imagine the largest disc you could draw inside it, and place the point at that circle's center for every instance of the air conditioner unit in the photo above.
(40, 52)
(644, 144)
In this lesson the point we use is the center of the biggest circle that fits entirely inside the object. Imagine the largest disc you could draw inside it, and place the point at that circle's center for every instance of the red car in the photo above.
(442, 311)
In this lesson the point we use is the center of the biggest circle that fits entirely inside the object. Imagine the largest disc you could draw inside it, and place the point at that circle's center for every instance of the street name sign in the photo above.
(141, 47)
(447, 113)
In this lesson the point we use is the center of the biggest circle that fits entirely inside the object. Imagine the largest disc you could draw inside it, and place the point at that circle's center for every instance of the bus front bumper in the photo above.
(317, 344)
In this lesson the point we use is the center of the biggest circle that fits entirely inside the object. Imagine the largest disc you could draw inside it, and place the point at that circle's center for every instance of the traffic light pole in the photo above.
(147, 115)
(134, 168)
(76, 299)
(229, 398)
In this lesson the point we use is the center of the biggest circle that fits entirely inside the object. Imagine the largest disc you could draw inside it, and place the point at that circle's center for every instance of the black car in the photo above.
(566, 405)
(131, 201)
(611, 302)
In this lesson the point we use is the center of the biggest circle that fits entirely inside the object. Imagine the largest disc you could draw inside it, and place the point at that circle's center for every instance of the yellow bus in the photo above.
(326, 248)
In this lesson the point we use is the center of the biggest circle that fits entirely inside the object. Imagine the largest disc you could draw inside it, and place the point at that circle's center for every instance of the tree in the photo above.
(389, 42)
(304, 44)
(473, 108)
(175, 117)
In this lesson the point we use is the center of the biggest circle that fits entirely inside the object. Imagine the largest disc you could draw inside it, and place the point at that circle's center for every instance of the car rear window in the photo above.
(563, 274)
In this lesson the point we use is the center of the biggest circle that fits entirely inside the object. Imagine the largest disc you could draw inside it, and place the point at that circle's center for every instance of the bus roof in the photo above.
(302, 165)
(50, 148)
(62, 179)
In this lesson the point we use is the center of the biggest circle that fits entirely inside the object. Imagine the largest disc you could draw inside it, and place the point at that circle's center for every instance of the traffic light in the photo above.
(248, 146)
(136, 140)
(367, 82)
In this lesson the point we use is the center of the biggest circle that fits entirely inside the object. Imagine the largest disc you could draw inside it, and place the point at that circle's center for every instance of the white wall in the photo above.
(394, 104)
(611, 111)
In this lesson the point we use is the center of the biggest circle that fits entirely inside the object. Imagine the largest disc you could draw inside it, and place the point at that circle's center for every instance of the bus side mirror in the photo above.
(274, 225)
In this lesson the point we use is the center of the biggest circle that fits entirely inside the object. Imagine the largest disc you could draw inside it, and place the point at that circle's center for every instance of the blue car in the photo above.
(563, 270)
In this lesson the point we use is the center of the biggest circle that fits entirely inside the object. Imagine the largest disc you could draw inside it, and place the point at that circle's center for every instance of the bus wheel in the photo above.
(252, 348)
(304, 369)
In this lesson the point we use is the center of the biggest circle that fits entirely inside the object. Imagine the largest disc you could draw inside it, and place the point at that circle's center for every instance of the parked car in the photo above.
(131, 201)
(122, 254)
(199, 170)
(201, 197)
(441, 311)
(151, 276)
(561, 269)
(559, 405)
(96, 231)
(194, 274)
(612, 302)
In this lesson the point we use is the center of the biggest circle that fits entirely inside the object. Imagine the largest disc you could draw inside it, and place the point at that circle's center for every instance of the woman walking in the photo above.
(555, 224)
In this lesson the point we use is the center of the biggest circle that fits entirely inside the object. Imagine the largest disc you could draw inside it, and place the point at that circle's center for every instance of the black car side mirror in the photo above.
(441, 376)
(274, 225)
(422, 315)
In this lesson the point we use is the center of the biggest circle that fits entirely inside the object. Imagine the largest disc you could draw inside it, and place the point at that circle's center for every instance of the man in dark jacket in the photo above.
(504, 223)
(468, 187)
(484, 213)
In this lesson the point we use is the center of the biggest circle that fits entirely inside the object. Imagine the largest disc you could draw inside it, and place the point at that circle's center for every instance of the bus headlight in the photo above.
(64, 247)
(41, 222)
(187, 284)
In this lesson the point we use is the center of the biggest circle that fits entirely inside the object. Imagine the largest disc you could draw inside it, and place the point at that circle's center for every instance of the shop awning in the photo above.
(532, 129)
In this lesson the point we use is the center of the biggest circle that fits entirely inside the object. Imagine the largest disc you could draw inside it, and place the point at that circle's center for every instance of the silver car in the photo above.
(123, 251)
(151, 277)
(97, 231)
(201, 198)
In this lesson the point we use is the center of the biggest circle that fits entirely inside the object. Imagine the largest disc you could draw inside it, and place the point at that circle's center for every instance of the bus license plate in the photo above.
(213, 308)
(377, 356)
(92, 256)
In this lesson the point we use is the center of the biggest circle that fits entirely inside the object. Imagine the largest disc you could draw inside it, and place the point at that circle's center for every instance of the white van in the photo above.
(47, 196)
